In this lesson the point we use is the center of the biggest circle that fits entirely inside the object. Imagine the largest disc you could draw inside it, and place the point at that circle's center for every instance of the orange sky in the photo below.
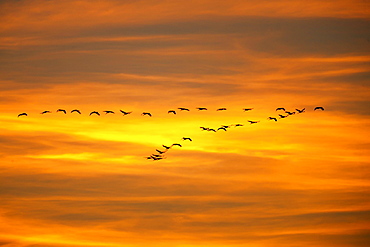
(78, 180)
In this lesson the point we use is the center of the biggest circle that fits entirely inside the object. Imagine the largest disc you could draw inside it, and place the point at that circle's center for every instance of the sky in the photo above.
(71, 180)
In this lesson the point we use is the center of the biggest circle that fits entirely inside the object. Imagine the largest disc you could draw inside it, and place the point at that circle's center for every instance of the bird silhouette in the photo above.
(156, 155)
(202, 109)
(248, 109)
(125, 113)
(282, 116)
(222, 128)
(280, 108)
(160, 152)
(290, 113)
(187, 138)
(221, 109)
(166, 147)
(211, 130)
(238, 125)
(146, 113)
(22, 114)
(183, 109)
(176, 144)
(45, 112)
(300, 111)
(204, 128)
(225, 126)
(106, 112)
(172, 111)
(75, 110)
(65, 112)
(94, 112)
(157, 158)
(318, 108)
(253, 122)
(272, 118)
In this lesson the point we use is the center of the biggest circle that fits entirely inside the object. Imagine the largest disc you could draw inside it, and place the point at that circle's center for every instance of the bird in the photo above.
(282, 116)
(65, 112)
(280, 108)
(106, 112)
(125, 113)
(300, 111)
(153, 157)
(146, 113)
(225, 126)
(172, 111)
(45, 112)
(94, 112)
(248, 109)
(272, 118)
(221, 109)
(211, 130)
(156, 155)
(22, 114)
(156, 158)
(318, 108)
(183, 109)
(176, 144)
(166, 147)
(238, 125)
(187, 138)
(204, 128)
(289, 113)
(202, 109)
(75, 110)
(160, 152)
(222, 128)
(253, 122)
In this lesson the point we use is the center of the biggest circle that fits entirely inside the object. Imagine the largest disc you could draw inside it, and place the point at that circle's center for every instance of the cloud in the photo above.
(56, 14)
(181, 48)
(352, 107)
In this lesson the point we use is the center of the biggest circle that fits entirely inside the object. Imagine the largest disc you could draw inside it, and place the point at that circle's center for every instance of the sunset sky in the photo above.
(70, 180)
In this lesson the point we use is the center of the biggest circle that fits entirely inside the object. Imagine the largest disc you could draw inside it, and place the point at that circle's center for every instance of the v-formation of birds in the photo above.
(161, 153)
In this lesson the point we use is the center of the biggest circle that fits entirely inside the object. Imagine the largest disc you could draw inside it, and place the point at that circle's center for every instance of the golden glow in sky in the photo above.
(78, 180)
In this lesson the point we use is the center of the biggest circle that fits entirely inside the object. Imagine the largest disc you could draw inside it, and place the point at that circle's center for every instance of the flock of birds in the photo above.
(174, 111)
(161, 153)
